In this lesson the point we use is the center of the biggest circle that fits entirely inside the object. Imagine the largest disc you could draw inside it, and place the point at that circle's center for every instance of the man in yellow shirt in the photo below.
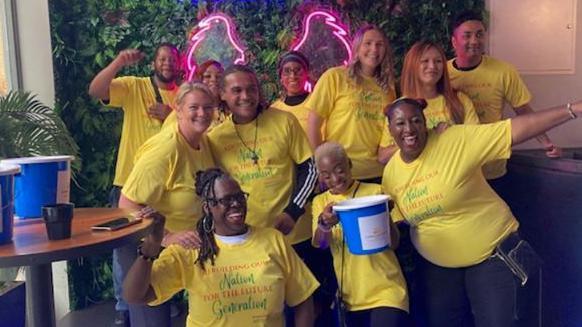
(490, 83)
(268, 154)
(146, 102)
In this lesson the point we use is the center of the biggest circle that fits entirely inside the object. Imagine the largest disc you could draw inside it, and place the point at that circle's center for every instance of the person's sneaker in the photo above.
(121, 319)
(175, 310)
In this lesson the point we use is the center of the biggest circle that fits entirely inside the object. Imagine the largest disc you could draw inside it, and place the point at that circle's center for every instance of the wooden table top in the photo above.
(31, 246)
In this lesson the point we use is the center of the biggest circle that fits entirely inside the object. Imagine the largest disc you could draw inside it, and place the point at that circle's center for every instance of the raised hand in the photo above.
(159, 111)
(284, 223)
(157, 232)
(129, 57)
(328, 217)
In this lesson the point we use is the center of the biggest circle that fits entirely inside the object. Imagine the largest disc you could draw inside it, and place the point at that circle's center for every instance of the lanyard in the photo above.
(156, 91)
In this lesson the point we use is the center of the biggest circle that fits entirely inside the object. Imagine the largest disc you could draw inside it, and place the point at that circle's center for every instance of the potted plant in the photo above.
(30, 128)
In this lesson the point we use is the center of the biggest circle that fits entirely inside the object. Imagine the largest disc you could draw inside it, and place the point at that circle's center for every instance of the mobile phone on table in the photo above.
(116, 224)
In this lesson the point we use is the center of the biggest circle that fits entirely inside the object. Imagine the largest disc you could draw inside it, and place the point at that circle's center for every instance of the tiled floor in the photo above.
(101, 315)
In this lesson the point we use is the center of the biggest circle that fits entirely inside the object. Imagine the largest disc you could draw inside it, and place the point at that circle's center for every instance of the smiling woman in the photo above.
(293, 71)
(436, 182)
(349, 101)
(241, 275)
(163, 178)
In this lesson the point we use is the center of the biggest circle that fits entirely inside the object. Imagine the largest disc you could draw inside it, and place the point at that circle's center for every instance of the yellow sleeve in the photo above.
(299, 281)
(323, 97)
(386, 139)
(146, 182)
(471, 117)
(396, 214)
(299, 148)
(516, 92)
(482, 143)
(169, 273)
(119, 90)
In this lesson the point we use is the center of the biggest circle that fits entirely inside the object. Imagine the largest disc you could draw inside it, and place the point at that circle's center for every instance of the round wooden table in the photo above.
(30, 247)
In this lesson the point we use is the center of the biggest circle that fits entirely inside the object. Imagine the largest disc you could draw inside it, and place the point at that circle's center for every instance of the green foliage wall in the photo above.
(88, 34)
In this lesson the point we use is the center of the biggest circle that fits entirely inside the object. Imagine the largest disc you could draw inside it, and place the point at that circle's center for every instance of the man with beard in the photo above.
(146, 102)
(490, 83)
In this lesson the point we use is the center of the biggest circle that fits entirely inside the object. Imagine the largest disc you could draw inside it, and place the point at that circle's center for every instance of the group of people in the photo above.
(242, 224)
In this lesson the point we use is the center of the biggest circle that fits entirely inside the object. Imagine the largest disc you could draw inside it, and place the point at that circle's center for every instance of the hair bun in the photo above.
(422, 104)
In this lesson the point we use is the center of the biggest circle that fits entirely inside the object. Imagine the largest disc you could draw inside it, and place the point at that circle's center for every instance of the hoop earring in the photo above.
(208, 224)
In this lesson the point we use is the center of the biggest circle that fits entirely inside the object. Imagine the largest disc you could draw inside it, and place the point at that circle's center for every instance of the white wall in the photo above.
(36, 62)
(552, 90)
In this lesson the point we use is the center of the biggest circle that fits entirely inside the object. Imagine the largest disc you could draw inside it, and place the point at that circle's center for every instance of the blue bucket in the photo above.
(42, 180)
(365, 223)
(7, 173)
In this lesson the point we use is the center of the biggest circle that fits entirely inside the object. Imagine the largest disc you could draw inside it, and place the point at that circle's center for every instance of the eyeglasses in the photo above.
(295, 71)
(229, 200)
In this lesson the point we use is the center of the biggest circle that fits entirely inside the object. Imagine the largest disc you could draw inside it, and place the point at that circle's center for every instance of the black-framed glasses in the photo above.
(229, 200)
(287, 71)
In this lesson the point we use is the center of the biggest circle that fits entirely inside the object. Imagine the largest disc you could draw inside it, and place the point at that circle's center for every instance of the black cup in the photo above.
(58, 218)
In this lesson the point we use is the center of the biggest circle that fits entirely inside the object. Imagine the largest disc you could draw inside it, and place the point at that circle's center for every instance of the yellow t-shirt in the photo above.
(280, 144)
(300, 111)
(164, 176)
(134, 95)
(247, 285)
(369, 281)
(436, 112)
(354, 117)
(456, 218)
(489, 86)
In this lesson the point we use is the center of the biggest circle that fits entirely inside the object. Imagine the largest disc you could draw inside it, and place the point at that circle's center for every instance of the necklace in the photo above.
(356, 189)
(253, 151)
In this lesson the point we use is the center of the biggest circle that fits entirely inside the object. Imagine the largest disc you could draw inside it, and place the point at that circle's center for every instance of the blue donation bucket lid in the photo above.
(42, 180)
(365, 223)
(39, 159)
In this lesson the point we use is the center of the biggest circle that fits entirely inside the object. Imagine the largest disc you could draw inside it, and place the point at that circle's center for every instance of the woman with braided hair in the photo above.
(240, 275)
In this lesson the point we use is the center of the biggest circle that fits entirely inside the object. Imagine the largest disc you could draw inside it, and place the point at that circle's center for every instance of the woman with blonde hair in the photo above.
(163, 178)
(350, 101)
(425, 76)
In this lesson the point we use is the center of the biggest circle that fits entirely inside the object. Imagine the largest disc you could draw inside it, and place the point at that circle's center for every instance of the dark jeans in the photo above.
(141, 315)
(484, 294)
(406, 254)
(123, 258)
(501, 186)
(377, 317)
(320, 263)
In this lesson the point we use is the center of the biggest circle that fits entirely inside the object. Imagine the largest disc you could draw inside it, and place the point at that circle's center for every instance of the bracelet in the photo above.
(324, 228)
(570, 111)
(145, 257)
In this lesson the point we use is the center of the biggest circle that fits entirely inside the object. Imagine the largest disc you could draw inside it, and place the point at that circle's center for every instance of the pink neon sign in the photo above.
(337, 30)
(203, 26)
(340, 32)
